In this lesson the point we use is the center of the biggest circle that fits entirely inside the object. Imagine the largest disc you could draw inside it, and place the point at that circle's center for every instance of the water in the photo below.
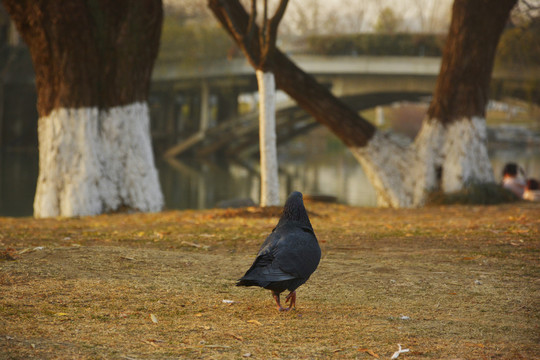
(316, 163)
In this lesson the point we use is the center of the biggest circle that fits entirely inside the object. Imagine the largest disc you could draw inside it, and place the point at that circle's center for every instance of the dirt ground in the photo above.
(450, 282)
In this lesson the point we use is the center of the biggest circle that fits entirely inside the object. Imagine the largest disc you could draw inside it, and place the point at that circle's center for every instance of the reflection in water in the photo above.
(18, 178)
(316, 163)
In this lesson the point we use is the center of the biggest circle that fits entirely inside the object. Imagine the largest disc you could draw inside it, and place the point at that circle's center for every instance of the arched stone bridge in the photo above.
(201, 99)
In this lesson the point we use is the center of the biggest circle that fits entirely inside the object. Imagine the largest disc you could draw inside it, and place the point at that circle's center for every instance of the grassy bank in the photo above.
(445, 282)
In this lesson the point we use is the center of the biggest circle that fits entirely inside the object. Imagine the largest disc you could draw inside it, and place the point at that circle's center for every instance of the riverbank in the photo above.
(444, 282)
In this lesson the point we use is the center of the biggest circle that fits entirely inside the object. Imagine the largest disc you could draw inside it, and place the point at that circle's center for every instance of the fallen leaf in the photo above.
(254, 322)
(337, 350)
(61, 314)
(370, 352)
(154, 318)
(217, 346)
(237, 337)
(246, 355)
(198, 246)
(151, 342)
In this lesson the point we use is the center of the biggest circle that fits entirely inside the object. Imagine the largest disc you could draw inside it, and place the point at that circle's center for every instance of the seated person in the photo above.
(532, 192)
(512, 180)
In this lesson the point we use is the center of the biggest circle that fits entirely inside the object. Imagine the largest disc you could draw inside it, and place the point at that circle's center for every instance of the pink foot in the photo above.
(291, 299)
(276, 298)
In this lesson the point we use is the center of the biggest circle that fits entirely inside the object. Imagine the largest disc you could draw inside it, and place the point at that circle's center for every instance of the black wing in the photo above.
(288, 253)
(265, 268)
(298, 251)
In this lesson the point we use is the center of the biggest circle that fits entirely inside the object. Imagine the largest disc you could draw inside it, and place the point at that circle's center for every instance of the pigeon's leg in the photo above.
(292, 299)
(276, 297)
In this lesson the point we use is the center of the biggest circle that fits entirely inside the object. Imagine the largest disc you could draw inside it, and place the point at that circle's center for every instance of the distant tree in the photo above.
(304, 18)
(93, 61)
(261, 56)
(353, 20)
(185, 11)
(190, 35)
(431, 16)
(317, 17)
(450, 151)
(192, 40)
(388, 22)
(520, 45)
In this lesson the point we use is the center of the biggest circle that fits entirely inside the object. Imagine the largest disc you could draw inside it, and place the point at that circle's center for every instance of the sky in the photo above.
(352, 16)
(361, 15)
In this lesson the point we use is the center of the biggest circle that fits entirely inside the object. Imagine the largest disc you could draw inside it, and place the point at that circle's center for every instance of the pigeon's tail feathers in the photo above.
(251, 282)
(263, 274)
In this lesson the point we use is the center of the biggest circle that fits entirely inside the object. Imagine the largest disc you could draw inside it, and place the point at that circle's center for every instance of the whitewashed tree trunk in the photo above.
(267, 138)
(385, 160)
(93, 161)
(466, 159)
(446, 158)
(458, 149)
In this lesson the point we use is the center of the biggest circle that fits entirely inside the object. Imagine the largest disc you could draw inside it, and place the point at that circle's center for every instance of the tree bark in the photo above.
(468, 56)
(93, 61)
(454, 133)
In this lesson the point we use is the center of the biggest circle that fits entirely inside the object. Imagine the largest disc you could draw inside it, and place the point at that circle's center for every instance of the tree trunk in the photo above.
(450, 150)
(259, 46)
(267, 138)
(453, 138)
(93, 61)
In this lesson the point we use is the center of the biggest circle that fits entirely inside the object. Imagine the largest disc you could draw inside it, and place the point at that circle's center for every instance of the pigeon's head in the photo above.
(294, 210)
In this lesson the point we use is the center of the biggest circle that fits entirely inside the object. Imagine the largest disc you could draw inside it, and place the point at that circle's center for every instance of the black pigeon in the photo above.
(288, 256)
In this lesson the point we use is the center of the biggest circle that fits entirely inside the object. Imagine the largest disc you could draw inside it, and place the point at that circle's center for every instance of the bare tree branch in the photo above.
(229, 24)
(270, 34)
(233, 16)
(252, 22)
(258, 49)
(264, 30)
(280, 11)
(529, 5)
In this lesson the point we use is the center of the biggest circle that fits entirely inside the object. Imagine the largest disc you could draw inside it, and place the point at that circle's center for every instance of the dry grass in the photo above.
(446, 282)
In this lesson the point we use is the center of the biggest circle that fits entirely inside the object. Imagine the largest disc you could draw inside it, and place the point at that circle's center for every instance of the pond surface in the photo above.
(316, 163)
